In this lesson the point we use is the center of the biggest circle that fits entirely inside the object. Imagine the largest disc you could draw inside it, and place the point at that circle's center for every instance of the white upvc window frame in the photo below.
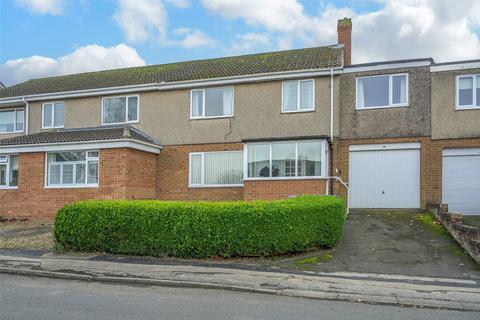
(73, 185)
(324, 169)
(202, 170)
(298, 96)
(53, 115)
(473, 106)
(192, 117)
(126, 109)
(15, 120)
(5, 160)
(390, 91)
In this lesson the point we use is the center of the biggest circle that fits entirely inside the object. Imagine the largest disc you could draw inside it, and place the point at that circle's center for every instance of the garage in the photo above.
(384, 175)
(461, 180)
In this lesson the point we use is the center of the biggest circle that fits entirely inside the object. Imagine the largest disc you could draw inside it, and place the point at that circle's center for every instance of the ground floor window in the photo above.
(286, 159)
(223, 168)
(8, 171)
(72, 168)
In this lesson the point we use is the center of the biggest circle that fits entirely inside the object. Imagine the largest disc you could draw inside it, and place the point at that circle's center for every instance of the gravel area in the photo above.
(26, 234)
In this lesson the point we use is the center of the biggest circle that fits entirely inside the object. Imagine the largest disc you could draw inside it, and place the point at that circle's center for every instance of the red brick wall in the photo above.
(33, 200)
(172, 174)
(280, 189)
(430, 162)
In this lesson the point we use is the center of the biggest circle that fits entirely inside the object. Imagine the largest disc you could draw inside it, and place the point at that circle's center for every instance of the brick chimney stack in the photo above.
(344, 30)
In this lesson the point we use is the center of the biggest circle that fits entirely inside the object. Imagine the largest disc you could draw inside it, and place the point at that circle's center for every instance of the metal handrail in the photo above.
(346, 186)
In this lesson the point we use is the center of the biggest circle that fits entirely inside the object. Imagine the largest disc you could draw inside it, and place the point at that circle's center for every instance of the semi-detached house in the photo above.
(398, 134)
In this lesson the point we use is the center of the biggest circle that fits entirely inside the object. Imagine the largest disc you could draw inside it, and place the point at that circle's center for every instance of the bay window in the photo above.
(468, 92)
(211, 103)
(53, 115)
(223, 168)
(123, 109)
(382, 91)
(8, 171)
(286, 159)
(12, 120)
(298, 96)
(72, 169)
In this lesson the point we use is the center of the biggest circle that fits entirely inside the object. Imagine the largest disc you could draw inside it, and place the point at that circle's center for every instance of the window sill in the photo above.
(52, 128)
(72, 187)
(285, 178)
(457, 108)
(206, 118)
(382, 107)
(119, 123)
(8, 188)
(13, 132)
(216, 186)
(298, 111)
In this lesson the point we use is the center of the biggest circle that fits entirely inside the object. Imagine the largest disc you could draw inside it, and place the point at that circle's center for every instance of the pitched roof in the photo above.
(125, 132)
(261, 63)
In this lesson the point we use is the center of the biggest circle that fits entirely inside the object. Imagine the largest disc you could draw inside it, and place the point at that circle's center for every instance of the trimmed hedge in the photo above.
(200, 229)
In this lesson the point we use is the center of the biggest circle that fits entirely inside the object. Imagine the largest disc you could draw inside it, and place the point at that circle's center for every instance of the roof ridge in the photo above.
(333, 46)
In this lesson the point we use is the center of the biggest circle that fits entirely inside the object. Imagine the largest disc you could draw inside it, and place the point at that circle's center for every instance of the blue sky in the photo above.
(49, 37)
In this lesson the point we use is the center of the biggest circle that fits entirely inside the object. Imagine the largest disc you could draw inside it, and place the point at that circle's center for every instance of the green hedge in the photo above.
(200, 229)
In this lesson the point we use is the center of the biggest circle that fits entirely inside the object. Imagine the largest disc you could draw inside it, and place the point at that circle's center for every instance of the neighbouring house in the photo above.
(399, 134)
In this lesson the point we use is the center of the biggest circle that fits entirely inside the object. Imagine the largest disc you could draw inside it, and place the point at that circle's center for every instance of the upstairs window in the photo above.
(12, 120)
(382, 91)
(8, 171)
(117, 110)
(53, 115)
(468, 92)
(298, 96)
(211, 103)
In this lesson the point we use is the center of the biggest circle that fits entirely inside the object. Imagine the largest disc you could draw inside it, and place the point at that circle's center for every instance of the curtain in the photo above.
(224, 168)
(403, 89)
(227, 101)
(197, 103)
(306, 94)
(290, 95)
(360, 94)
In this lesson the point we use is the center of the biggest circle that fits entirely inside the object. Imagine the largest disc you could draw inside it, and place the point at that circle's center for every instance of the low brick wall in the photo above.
(467, 236)
(281, 189)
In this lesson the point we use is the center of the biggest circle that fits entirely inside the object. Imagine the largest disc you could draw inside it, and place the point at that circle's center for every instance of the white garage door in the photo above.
(461, 180)
(384, 176)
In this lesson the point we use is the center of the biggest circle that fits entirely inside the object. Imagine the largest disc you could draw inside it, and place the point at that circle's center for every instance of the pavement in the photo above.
(400, 290)
(386, 257)
(46, 299)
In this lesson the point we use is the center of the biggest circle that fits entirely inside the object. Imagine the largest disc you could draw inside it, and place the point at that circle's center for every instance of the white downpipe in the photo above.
(27, 111)
(331, 105)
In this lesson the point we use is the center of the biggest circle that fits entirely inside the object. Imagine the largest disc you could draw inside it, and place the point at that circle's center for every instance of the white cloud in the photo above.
(53, 7)
(192, 39)
(400, 29)
(248, 42)
(87, 58)
(179, 3)
(142, 20)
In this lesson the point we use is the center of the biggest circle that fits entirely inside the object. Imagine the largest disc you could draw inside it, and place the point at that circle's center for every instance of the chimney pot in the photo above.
(344, 31)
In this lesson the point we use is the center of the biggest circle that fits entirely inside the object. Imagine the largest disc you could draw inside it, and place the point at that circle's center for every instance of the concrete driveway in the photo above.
(393, 242)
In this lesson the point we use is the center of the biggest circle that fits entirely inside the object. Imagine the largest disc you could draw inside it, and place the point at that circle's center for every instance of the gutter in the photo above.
(174, 85)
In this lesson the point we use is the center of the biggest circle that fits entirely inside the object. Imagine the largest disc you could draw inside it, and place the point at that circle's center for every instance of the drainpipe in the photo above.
(331, 105)
(331, 130)
(27, 112)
